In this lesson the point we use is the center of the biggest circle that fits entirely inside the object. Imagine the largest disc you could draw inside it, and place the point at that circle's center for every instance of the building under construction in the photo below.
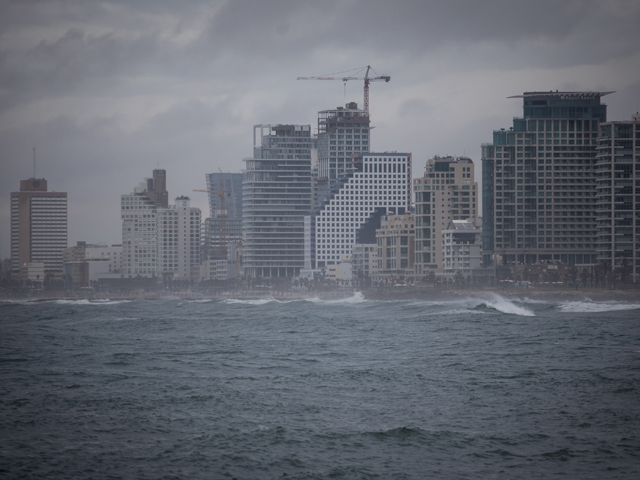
(341, 133)
(225, 222)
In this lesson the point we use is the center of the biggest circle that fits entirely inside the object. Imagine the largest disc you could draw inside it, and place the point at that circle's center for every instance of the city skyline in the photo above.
(107, 92)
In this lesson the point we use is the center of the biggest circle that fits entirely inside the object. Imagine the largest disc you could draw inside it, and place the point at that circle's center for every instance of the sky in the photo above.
(106, 91)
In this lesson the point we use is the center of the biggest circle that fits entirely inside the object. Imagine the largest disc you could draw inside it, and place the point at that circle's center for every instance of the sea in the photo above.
(489, 387)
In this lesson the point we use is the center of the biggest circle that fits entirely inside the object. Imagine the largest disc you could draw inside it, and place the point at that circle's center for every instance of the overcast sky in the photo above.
(107, 91)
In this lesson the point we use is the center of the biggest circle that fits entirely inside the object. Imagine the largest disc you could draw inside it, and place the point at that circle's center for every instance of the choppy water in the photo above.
(477, 388)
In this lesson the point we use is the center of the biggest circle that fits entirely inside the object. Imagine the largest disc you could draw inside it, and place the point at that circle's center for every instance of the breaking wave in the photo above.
(596, 307)
(85, 301)
(501, 304)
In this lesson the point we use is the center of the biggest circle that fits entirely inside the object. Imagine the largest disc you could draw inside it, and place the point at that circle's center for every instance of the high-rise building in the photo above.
(618, 194)
(539, 184)
(178, 233)
(38, 226)
(231, 183)
(446, 192)
(276, 197)
(139, 225)
(231, 222)
(374, 184)
(341, 133)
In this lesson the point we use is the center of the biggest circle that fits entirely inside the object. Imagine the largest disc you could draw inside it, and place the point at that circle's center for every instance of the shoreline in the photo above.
(391, 294)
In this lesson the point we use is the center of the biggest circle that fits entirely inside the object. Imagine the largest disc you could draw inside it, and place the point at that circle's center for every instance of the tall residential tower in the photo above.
(276, 196)
(618, 195)
(539, 184)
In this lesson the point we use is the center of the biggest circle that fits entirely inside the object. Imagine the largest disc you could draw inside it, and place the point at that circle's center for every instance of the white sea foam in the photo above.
(595, 307)
(457, 311)
(503, 305)
(259, 301)
(358, 297)
(85, 301)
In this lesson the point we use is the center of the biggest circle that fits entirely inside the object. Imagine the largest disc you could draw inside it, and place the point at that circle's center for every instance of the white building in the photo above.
(139, 234)
(341, 271)
(375, 184)
(158, 238)
(461, 247)
(103, 252)
(178, 240)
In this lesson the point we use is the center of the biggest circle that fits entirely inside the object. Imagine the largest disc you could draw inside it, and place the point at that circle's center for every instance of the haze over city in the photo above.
(107, 91)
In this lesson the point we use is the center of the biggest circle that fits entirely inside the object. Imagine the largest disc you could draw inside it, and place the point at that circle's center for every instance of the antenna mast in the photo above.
(34, 161)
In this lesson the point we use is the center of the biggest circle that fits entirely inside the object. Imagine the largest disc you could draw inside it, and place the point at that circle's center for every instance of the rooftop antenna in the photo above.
(34, 161)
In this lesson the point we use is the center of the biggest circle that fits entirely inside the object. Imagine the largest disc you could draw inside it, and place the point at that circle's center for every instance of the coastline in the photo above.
(382, 294)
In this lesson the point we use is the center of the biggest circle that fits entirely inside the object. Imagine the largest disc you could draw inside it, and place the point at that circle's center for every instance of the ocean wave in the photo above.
(501, 304)
(457, 311)
(258, 301)
(596, 307)
(357, 297)
(85, 301)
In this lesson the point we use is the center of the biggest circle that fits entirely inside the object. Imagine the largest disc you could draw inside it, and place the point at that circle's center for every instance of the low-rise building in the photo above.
(461, 247)
(396, 240)
(364, 261)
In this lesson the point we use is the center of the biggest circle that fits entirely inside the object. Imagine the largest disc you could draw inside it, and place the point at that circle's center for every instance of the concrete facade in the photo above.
(38, 226)
(375, 182)
(178, 240)
(396, 240)
(539, 182)
(341, 133)
(447, 191)
(618, 194)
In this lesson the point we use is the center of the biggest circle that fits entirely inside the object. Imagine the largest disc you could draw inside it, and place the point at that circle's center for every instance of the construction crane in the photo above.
(352, 76)
(223, 215)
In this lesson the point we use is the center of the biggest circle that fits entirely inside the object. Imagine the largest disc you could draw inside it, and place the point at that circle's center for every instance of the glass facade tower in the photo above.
(276, 193)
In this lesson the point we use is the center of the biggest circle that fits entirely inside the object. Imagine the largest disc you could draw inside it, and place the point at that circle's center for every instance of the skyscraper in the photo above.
(38, 226)
(276, 197)
(231, 185)
(538, 177)
(341, 133)
(618, 194)
(229, 182)
(447, 191)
